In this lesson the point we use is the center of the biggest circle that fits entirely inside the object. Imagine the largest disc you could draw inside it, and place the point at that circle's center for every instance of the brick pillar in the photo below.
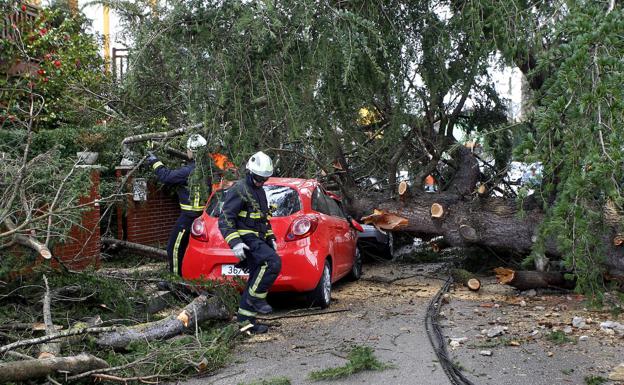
(82, 246)
(149, 221)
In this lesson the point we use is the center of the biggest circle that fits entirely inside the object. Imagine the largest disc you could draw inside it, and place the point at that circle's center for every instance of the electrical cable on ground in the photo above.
(436, 338)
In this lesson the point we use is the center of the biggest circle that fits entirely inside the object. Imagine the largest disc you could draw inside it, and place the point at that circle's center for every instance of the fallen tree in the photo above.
(464, 218)
(148, 251)
(40, 368)
(201, 309)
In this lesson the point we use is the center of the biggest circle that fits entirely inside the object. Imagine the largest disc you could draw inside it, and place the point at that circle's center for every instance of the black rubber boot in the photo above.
(260, 305)
(259, 329)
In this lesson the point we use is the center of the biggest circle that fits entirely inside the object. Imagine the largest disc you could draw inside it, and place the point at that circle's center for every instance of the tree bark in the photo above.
(466, 278)
(525, 280)
(31, 369)
(198, 311)
(138, 248)
(29, 242)
(469, 219)
(159, 135)
(52, 349)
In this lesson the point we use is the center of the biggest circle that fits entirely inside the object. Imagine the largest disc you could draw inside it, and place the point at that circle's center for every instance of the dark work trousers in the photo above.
(178, 240)
(264, 266)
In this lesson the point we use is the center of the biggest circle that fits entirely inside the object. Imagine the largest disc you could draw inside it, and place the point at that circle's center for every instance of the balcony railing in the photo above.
(20, 19)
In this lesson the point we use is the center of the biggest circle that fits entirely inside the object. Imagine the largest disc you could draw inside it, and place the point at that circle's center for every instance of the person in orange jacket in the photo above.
(430, 184)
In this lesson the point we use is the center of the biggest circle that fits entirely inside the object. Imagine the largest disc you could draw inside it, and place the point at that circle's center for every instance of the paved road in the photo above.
(385, 316)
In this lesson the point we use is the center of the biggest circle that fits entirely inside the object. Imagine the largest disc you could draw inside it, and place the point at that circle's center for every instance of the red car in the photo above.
(315, 239)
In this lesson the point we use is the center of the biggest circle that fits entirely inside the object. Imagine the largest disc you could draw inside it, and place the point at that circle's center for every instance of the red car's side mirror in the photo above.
(356, 225)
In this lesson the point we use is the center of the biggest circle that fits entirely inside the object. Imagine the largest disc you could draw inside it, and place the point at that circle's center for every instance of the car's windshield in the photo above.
(282, 200)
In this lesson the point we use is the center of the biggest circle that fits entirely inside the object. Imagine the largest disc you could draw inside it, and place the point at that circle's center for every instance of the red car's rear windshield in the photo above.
(284, 200)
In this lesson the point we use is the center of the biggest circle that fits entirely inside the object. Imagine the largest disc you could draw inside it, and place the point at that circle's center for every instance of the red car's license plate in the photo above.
(231, 270)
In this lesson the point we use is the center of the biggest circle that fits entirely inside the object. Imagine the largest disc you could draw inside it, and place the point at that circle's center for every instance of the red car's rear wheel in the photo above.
(321, 295)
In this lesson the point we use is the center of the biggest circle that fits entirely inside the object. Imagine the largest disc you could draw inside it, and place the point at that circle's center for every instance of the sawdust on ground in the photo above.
(538, 344)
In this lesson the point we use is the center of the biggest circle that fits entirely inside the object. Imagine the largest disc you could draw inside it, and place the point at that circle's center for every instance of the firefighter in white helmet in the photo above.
(190, 203)
(245, 226)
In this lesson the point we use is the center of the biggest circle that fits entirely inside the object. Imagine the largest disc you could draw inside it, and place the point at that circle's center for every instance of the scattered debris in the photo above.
(456, 341)
(616, 327)
(618, 373)
(495, 331)
(487, 353)
(579, 322)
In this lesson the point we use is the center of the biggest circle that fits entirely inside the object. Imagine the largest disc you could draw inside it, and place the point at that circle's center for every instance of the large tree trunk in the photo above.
(464, 218)
(198, 311)
(30, 369)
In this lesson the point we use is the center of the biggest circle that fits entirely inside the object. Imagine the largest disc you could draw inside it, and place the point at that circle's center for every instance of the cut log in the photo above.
(482, 190)
(385, 220)
(437, 210)
(18, 371)
(403, 189)
(525, 280)
(468, 233)
(27, 241)
(147, 251)
(201, 309)
(466, 278)
(618, 240)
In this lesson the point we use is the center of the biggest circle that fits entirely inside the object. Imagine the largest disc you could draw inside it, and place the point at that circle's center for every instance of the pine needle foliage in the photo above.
(289, 77)
(582, 118)
(360, 358)
(570, 53)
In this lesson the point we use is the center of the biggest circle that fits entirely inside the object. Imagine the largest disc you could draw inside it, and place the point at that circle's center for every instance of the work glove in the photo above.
(239, 251)
(274, 244)
(151, 158)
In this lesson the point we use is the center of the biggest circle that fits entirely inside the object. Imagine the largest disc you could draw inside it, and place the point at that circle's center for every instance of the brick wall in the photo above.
(82, 246)
(147, 222)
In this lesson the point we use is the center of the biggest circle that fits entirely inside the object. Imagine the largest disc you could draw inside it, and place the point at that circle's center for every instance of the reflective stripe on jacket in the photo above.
(190, 203)
(245, 211)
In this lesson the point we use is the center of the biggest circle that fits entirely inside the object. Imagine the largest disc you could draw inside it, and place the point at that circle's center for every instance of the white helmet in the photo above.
(195, 141)
(260, 164)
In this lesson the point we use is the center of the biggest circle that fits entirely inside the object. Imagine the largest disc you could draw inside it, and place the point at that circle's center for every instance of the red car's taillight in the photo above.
(301, 227)
(199, 230)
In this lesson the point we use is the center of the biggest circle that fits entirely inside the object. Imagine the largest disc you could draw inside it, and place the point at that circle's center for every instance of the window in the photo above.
(215, 205)
(318, 202)
(283, 200)
(334, 209)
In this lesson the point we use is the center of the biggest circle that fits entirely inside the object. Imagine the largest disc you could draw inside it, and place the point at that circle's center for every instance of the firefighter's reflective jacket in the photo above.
(245, 212)
(189, 202)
